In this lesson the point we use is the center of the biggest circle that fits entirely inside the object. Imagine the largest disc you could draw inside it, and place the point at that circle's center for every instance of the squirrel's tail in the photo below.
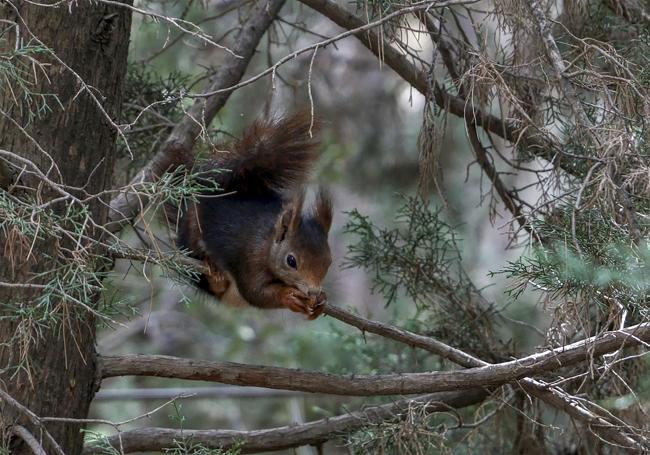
(275, 154)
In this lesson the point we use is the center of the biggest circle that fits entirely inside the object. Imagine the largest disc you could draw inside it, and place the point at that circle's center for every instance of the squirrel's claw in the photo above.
(317, 305)
(312, 307)
(296, 302)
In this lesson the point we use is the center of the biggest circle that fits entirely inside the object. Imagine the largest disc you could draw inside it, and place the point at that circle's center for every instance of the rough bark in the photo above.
(77, 137)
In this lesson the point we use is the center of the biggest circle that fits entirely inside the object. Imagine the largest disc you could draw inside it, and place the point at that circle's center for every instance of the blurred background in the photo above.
(371, 121)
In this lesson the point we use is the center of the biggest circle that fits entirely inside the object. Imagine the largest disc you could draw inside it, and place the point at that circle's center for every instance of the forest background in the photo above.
(489, 167)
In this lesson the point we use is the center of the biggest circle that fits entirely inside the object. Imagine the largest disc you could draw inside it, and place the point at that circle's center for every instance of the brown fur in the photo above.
(246, 233)
(273, 154)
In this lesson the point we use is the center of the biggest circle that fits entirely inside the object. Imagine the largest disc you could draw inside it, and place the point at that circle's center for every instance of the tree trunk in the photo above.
(49, 365)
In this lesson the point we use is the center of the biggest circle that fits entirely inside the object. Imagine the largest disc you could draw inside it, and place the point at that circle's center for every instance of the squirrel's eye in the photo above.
(291, 261)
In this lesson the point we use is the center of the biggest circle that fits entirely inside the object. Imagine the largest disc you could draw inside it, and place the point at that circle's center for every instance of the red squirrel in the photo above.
(258, 243)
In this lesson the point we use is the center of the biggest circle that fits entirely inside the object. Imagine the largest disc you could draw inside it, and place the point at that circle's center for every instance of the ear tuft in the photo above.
(296, 207)
(289, 220)
(323, 209)
(282, 225)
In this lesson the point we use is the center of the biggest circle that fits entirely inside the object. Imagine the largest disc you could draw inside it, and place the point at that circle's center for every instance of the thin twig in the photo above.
(33, 418)
(30, 440)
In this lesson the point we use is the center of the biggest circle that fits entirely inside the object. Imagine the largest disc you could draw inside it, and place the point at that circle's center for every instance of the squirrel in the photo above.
(258, 244)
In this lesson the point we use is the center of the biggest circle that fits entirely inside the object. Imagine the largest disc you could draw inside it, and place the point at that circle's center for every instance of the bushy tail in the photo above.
(275, 154)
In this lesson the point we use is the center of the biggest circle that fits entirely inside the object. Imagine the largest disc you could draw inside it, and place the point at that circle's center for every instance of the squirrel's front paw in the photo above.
(312, 306)
(317, 305)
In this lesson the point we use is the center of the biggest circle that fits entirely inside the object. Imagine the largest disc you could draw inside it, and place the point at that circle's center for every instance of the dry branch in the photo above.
(184, 135)
(367, 385)
(510, 131)
(30, 440)
(553, 396)
(557, 65)
(559, 69)
(156, 439)
(9, 401)
(508, 197)
(404, 336)
(557, 398)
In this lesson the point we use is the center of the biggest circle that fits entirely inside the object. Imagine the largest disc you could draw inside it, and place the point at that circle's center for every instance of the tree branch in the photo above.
(558, 70)
(559, 399)
(404, 336)
(33, 419)
(319, 431)
(183, 137)
(553, 396)
(24, 434)
(368, 385)
(507, 196)
(510, 131)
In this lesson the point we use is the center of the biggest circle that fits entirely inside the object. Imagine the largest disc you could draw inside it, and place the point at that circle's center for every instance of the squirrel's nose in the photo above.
(313, 292)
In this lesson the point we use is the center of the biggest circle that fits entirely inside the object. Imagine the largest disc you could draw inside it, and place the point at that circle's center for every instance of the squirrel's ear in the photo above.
(296, 217)
(289, 220)
(282, 225)
(323, 211)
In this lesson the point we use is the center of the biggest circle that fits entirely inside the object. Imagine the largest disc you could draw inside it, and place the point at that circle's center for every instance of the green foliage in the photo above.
(72, 275)
(597, 264)
(75, 257)
(151, 108)
(19, 69)
(415, 430)
(187, 447)
(99, 442)
(420, 257)
(415, 435)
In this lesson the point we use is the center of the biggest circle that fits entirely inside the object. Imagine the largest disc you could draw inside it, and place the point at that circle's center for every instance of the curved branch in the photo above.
(553, 396)
(24, 434)
(367, 385)
(319, 431)
(404, 336)
(33, 419)
(183, 137)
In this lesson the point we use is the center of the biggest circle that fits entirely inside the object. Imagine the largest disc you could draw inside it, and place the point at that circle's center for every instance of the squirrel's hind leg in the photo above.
(217, 280)
(223, 285)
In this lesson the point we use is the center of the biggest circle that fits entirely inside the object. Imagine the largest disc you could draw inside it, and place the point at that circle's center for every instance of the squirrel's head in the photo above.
(300, 253)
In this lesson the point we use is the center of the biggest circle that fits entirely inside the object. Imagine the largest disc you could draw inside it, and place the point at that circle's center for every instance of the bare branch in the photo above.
(553, 396)
(33, 419)
(556, 397)
(24, 434)
(367, 385)
(557, 64)
(508, 197)
(558, 69)
(364, 27)
(404, 336)
(157, 439)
